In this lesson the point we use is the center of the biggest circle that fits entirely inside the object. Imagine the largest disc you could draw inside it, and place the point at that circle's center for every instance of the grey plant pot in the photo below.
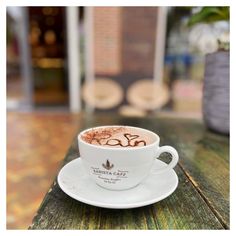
(216, 92)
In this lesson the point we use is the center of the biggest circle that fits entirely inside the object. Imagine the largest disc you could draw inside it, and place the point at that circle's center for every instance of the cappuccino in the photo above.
(120, 157)
(117, 136)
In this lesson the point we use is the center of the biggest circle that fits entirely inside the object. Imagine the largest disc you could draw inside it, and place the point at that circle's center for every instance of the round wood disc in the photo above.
(102, 93)
(148, 94)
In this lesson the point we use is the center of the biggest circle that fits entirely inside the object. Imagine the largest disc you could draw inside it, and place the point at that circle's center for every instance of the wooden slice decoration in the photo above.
(102, 93)
(148, 94)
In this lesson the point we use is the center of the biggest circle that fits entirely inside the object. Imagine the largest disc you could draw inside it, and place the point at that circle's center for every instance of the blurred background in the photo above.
(64, 62)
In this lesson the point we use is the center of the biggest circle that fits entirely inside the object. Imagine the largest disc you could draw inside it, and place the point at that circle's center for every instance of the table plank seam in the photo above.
(195, 185)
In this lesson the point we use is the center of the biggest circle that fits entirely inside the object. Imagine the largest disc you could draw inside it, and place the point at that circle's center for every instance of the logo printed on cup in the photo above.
(108, 166)
(107, 175)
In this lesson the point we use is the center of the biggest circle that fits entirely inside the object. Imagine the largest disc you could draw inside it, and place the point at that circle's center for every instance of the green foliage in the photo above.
(209, 15)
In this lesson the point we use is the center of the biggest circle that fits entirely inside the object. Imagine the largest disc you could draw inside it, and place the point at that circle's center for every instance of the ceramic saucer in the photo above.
(75, 182)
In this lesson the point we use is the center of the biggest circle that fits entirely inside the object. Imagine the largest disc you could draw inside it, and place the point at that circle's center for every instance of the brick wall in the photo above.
(124, 39)
(138, 38)
(107, 40)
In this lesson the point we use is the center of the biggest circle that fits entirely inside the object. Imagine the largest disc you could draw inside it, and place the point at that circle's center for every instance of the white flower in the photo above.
(204, 37)
(221, 30)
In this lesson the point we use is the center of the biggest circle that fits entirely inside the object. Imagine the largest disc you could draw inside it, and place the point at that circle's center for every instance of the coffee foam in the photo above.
(117, 137)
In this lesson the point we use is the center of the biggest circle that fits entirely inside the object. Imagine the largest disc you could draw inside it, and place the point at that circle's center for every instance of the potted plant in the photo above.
(216, 77)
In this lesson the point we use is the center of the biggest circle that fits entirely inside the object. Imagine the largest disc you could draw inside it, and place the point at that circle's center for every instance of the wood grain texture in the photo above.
(200, 202)
(204, 157)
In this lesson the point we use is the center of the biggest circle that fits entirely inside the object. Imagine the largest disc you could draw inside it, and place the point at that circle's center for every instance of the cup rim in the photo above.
(157, 141)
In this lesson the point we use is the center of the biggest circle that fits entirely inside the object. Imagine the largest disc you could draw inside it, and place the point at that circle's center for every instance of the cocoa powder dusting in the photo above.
(105, 136)
(97, 136)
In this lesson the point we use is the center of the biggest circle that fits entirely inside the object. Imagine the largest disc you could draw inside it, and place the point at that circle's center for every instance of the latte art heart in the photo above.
(131, 136)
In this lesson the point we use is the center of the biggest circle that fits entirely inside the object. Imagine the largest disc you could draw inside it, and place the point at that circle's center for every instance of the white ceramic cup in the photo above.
(120, 168)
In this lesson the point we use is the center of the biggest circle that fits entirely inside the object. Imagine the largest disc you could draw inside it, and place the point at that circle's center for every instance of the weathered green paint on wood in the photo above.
(201, 200)
(204, 156)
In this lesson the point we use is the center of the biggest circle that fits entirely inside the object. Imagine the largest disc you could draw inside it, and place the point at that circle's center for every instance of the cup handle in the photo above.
(172, 164)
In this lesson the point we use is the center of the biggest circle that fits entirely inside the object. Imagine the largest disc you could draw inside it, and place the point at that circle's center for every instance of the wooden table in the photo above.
(201, 200)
